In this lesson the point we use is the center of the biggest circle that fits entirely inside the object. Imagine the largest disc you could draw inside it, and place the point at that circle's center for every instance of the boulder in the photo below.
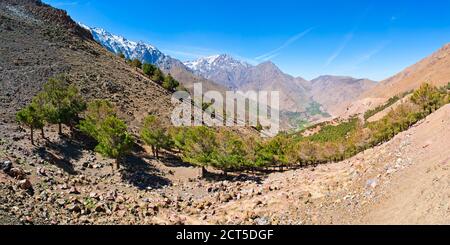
(17, 173)
(5, 166)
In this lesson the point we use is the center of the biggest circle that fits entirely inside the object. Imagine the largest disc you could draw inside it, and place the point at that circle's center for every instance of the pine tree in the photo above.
(97, 112)
(32, 117)
(230, 153)
(149, 69)
(199, 148)
(64, 102)
(158, 76)
(155, 134)
(113, 139)
(428, 97)
(136, 63)
(170, 83)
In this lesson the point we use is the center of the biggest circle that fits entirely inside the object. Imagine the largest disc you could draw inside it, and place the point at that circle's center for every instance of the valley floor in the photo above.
(404, 181)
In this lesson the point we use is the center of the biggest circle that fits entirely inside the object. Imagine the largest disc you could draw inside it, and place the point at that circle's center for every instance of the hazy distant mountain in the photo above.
(238, 75)
(333, 92)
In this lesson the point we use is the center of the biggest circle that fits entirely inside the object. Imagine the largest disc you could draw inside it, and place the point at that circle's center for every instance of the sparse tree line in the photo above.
(154, 73)
(220, 148)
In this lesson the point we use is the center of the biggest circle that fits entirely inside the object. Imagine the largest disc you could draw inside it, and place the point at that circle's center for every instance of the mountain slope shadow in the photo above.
(141, 174)
(60, 162)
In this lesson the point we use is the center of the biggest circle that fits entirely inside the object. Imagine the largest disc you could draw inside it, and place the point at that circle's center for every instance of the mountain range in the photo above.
(149, 54)
(300, 100)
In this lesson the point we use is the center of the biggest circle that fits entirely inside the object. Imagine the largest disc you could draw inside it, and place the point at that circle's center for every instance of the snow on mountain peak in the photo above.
(132, 50)
(214, 62)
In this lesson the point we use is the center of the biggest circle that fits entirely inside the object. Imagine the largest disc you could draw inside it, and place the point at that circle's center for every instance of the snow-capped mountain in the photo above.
(223, 69)
(239, 75)
(132, 50)
(147, 53)
(216, 62)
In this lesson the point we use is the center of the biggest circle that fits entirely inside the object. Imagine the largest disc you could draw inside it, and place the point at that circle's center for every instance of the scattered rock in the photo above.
(262, 221)
(74, 190)
(61, 202)
(25, 184)
(41, 172)
(100, 208)
(304, 195)
(74, 208)
(111, 196)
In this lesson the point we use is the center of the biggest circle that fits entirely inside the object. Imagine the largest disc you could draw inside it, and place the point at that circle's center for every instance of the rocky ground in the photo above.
(61, 180)
(405, 181)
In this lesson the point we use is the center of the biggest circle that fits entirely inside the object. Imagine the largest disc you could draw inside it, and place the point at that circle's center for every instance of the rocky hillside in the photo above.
(404, 181)
(434, 69)
(38, 42)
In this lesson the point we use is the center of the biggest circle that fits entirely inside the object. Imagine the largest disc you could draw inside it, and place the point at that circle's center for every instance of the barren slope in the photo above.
(37, 42)
(434, 69)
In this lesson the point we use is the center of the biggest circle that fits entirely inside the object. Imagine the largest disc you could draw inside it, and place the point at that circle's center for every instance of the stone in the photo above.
(25, 184)
(61, 202)
(6, 166)
(17, 173)
(225, 198)
(93, 195)
(74, 208)
(372, 183)
(111, 196)
(305, 195)
(100, 208)
(262, 221)
(391, 171)
(42, 172)
(74, 190)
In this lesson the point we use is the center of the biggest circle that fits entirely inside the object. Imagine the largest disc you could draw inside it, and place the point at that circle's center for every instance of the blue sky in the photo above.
(364, 39)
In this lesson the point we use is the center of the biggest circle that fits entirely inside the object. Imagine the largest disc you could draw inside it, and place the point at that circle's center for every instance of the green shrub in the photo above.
(158, 76)
(149, 69)
(428, 97)
(136, 63)
(373, 112)
(334, 133)
(170, 83)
